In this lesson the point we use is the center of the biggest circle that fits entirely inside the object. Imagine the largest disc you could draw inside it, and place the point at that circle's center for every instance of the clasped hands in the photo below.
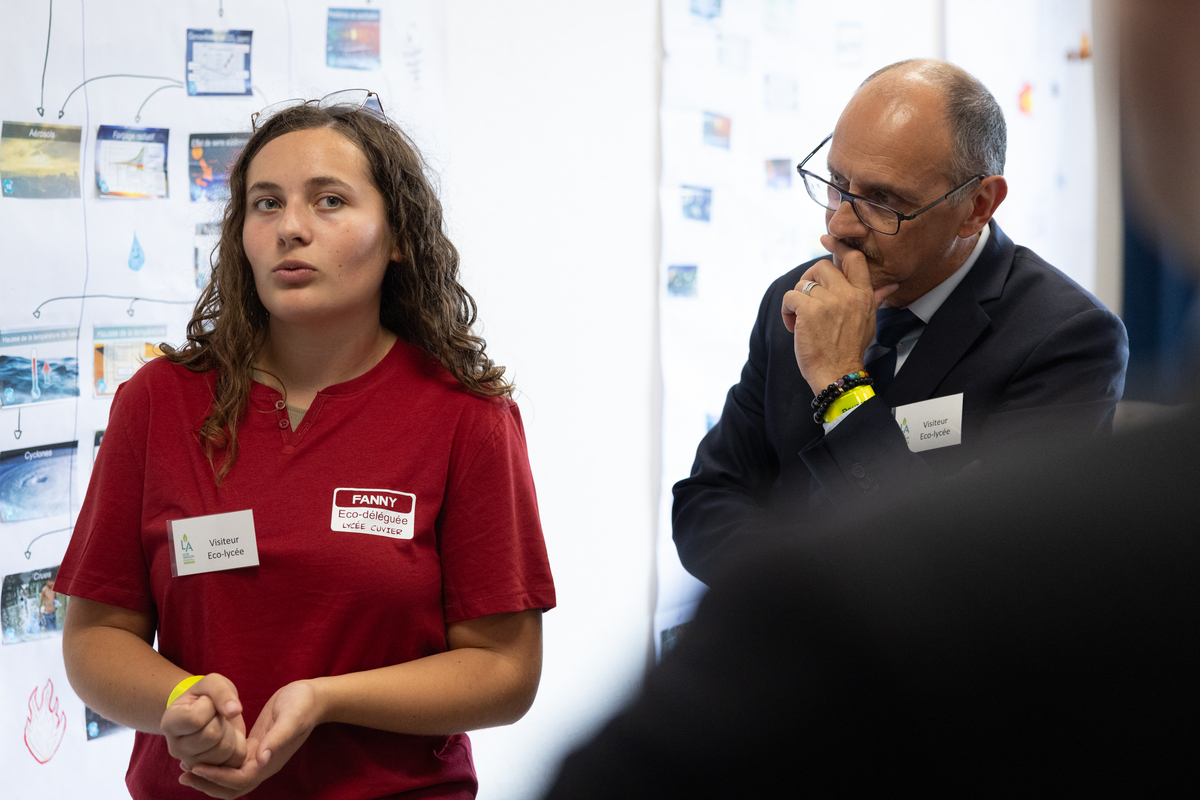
(835, 322)
(205, 730)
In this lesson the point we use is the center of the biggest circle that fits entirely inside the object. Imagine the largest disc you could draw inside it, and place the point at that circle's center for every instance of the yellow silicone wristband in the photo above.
(182, 687)
(848, 400)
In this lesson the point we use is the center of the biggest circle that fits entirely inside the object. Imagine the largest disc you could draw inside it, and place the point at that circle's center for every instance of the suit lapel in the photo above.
(955, 325)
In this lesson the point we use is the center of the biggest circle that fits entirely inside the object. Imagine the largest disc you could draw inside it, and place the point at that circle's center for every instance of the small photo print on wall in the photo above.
(38, 365)
(131, 162)
(35, 482)
(352, 38)
(120, 351)
(210, 158)
(218, 62)
(697, 203)
(98, 726)
(39, 161)
(30, 609)
(681, 280)
(779, 173)
(208, 234)
(717, 129)
(781, 93)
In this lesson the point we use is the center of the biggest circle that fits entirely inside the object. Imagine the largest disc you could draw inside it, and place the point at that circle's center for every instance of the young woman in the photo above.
(384, 591)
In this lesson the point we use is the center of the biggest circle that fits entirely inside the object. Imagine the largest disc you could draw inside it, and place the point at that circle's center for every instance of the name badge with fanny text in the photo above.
(932, 423)
(212, 543)
(381, 512)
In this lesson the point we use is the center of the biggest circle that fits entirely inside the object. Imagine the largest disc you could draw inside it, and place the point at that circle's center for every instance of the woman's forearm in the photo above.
(490, 678)
(112, 666)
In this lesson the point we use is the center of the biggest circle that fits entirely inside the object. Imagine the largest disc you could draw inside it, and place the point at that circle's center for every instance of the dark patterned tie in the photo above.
(891, 325)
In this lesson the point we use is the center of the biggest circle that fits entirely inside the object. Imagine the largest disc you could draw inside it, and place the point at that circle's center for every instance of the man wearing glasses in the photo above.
(926, 342)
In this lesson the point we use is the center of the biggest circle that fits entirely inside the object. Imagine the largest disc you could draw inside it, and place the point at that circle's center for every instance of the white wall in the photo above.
(551, 192)
(551, 188)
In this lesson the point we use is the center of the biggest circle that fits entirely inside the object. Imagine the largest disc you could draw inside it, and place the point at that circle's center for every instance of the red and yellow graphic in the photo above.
(1025, 99)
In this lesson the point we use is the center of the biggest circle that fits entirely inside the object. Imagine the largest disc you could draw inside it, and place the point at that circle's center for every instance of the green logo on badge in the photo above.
(189, 555)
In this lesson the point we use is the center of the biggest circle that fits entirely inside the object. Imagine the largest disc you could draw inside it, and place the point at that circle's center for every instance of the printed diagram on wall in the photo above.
(747, 86)
(779, 173)
(413, 53)
(104, 260)
(207, 236)
(210, 158)
(46, 725)
(30, 609)
(38, 366)
(696, 202)
(35, 482)
(131, 162)
(218, 62)
(681, 280)
(352, 38)
(120, 351)
(38, 160)
(98, 726)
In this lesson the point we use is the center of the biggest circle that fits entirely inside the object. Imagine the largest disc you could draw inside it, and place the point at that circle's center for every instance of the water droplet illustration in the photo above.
(136, 256)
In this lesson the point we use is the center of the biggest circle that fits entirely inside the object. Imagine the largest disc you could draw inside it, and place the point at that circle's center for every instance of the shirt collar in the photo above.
(927, 304)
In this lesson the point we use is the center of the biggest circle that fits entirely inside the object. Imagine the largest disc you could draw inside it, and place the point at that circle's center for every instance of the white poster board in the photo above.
(119, 120)
(752, 86)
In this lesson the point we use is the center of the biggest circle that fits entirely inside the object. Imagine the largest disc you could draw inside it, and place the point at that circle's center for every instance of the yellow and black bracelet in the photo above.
(826, 398)
(849, 399)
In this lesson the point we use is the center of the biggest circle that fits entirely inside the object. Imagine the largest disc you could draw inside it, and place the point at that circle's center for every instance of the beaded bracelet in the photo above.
(840, 385)
(829, 394)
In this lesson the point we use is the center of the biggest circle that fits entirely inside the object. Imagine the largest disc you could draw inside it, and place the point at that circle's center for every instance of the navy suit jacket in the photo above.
(1034, 355)
(1036, 634)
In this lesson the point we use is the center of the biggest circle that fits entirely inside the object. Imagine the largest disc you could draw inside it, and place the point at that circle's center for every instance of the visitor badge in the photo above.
(933, 423)
(212, 543)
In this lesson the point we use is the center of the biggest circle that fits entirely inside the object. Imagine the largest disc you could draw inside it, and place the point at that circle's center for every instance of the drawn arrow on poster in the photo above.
(37, 312)
(42, 100)
(29, 549)
(17, 432)
(63, 110)
(138, 117)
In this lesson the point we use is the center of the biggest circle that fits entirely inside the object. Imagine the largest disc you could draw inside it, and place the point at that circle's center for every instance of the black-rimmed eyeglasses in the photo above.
(345, 101)
(875, 216)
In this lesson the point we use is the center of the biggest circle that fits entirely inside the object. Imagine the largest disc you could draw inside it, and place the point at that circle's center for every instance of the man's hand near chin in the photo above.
(834, 323)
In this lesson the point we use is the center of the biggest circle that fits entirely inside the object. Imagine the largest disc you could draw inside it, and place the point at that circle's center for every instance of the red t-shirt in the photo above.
(321, 601)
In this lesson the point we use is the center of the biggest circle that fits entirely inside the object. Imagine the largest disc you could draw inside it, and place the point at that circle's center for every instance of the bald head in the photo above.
(974, 122)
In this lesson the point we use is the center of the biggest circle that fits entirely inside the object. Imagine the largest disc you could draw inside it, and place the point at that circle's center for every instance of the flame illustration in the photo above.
(46, 725)
(1025, 101)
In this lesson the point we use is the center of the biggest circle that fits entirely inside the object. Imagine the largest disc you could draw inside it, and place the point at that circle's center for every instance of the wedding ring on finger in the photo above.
(808, 287)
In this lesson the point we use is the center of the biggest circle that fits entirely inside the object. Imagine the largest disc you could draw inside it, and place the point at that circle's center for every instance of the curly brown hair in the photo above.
(423, 301)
